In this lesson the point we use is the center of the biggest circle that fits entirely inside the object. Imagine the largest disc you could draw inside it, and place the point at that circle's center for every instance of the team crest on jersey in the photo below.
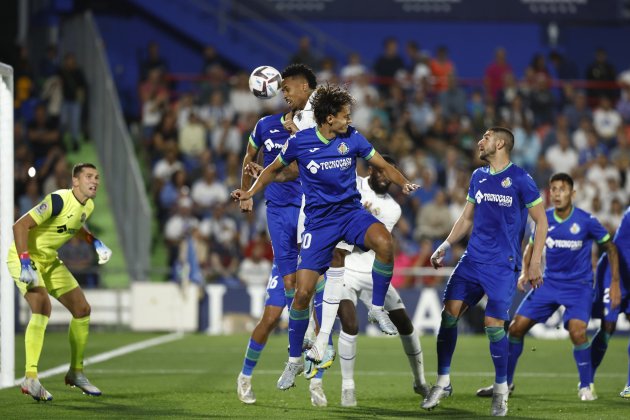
(574, 229)
(83, 217)
(343, 148)
(506, 182)
(41, 208)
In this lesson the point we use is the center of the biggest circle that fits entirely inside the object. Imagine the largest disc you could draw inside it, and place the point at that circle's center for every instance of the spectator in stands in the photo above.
(433, 221)
(606, 121)
(441, 68)
(599, 72)
(49, 64)
(304, 55)
(193, 140)
(58, 177)
(562, 157)
(165, 132)
(212, 58)
(153, 60)
(31, 196)
(215, 110)
(327, 73)
(561, 67)
(200, 253)
(388, 64)
(154, 99)
(614, 216)
(208, 191)
(165, 167)
(494, 75)
(52, 95)
(592, 150)
(353, 68)
(44, 137)
(178, 226)
(541, 101)
(599, 172)
(421, 113)
(577, 109)
(623, 105)
(453, 99)
(221, 232)
(516, 114)
(74, 87)
(241, 99)
(170, 193)
(254, 270)
(527, 145)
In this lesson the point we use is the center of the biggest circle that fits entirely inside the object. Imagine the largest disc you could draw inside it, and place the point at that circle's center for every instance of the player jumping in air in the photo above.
(38, 273)
(499, 198)
(568, 281)
(326, 157)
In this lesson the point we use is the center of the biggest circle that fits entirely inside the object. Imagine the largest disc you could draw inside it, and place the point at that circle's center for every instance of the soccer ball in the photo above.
(264, 82)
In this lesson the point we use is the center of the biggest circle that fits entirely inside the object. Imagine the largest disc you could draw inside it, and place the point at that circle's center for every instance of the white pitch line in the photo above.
(130, 348)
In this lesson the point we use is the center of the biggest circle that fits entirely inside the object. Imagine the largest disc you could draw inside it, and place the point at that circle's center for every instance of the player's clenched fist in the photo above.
(103, 252)
(438, 255)
(241, 195)
(28, 274)
(409, 187)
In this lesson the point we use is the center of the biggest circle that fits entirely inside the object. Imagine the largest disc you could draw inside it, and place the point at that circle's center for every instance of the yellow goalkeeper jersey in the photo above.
(59, 216)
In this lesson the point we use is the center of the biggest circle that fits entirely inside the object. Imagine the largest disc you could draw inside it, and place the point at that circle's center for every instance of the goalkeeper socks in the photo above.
(446, 341)
(33, 342)
(330, 305)
(411, 345)
(298, 323)
(347, 350)
(599, 345)
(252, 354)
(289, 294)
(515, 348)
(499, 352)
(78, 334)
(582, 356)
(381, 277)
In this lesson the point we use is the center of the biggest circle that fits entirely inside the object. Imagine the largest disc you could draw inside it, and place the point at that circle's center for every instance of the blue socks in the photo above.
(599, 345)
(582, 355)
(515, 348)
(298, 323)
(446, 341)
(381, 277)
(251, 357)
(499, 352)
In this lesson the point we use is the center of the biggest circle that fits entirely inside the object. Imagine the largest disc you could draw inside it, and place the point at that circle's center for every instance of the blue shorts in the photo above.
(282, 223)
(576, 296)
(275, 289)
(601, 303)
(348, 223)
(471, 280)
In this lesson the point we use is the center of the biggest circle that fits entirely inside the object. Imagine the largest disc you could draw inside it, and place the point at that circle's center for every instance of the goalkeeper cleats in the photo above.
(487, 391)
(626, 392)
(318, 398)
(348, 398)
(435, 395)
(380, 317)
(421, 389)
(244, 389)
(500, 404)
(76, 378)
(32, 387)
(291, 370)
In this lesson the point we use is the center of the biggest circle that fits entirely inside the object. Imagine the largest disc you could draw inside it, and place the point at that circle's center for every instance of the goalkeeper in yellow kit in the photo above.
(38, 272)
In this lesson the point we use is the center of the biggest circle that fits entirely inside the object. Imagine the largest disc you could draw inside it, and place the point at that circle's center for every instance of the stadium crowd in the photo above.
(410, 105)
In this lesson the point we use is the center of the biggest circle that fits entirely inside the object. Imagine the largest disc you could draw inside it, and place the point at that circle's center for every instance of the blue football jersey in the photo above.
(569, 243)
(501, 201)
(271, 135)
(622, 240)
(327, 167)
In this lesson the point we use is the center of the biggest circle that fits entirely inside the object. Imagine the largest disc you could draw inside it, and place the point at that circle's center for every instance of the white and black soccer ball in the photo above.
(264, 82)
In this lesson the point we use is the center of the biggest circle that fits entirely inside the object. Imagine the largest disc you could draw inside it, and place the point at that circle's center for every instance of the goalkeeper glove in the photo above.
(104, 253)
(28, 274)
(438, 255)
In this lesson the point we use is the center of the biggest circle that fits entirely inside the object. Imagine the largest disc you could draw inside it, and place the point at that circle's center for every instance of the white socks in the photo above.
(330, 304)
(411, 345)
(347, 350)
(443, 380)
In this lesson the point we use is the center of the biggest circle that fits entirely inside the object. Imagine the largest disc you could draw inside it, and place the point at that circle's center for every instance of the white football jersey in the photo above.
(386, 210)
(305, 118)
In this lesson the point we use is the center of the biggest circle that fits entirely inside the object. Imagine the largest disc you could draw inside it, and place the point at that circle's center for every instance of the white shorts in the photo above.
(300, 229)
(359, 285)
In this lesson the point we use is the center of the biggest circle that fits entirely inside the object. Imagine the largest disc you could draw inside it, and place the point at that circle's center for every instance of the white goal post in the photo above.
(7, 288)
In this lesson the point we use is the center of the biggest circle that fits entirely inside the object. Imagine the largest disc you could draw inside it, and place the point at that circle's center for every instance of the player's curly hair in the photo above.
(329, 100)
(302, 70)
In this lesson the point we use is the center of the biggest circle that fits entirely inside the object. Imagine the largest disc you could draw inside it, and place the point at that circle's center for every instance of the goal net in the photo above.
(7, 293)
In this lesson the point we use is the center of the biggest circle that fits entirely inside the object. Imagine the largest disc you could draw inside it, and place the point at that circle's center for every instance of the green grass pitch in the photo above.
(195, 377)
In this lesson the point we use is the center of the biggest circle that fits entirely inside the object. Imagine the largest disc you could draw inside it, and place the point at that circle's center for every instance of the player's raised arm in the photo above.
(267, 176)
(534, 272)
(246, 178)
(392, 173)
(613, 259)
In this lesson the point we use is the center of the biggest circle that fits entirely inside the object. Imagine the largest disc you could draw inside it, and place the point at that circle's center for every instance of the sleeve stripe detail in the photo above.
(470, 199)
(282, 160)
(369, 155)
(531, 239)
(533, 203)
(604, 239)
(251, 141)
(57, 204)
